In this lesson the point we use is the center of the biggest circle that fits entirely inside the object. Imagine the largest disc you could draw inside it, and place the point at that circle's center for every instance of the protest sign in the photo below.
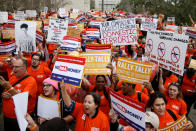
(62, 12)
(8, 33)
(19, 15)
(6, 47)
(68, 68)
(93, 33)
(57, 30)
(119, 32)
(192, 64)
(25, 36)
(31, 13)
(96, 63)
(149, 24)
(95, 23)
(133, 71)
(48, 108)
(171, 19)
(70, 43)
(80, 26)
(167, 49)
(39, 36)
(171, 28)
(45, 10)
(72, 25)
(3, 17)
(191, 33)
(73, 32)
(132, 111)
(177, 125)
(98, 47)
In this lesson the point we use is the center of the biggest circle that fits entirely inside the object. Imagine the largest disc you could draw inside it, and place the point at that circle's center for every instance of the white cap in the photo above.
(152, 118)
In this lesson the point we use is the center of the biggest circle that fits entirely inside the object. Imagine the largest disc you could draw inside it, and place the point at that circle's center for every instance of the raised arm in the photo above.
(161, 87)
(66, 97)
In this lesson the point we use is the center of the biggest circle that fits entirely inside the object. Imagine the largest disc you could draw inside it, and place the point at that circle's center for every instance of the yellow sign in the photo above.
(96, 63)
(192, 64)
(8, 33)
(133, 71)
(80, 26)
(73, 32)
(176, 126)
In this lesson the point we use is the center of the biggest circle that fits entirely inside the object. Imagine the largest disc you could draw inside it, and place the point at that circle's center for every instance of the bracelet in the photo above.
(10, 89)
(31, 129)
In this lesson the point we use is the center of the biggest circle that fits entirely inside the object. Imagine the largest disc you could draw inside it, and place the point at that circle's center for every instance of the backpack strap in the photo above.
(139, 96)
(172, 114)
(20, 80)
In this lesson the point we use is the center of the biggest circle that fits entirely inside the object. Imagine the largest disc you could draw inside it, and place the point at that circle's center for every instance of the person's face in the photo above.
(190, 47)
(173, 91)
(100, 83)
(89, 105)
(149, 127)
(18, 68)
(126, 88)
(35, 62)
(48, 90)
(159, 106)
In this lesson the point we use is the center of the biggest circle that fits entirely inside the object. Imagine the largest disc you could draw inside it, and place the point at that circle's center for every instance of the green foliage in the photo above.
(170, 8)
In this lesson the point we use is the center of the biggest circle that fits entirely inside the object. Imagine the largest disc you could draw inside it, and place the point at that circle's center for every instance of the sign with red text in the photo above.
(177, 125)
(57, 30)
(132, 111)
(70, 43)
(167, 49)
(96, 63)
(132, 71)
(149, 24)
(119, 32)
(98, 47)
(6, 47)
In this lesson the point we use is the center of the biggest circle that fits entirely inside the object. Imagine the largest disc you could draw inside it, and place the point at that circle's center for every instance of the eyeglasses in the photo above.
(36, 60)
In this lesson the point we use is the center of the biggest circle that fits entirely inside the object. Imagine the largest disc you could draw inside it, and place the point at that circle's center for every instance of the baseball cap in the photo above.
(152, 118)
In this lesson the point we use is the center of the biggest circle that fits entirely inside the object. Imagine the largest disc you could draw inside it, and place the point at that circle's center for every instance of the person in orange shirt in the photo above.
(20, 82)
(38, 72)
(88, 116)
(158, 103)
(8, 66)
(188, 87)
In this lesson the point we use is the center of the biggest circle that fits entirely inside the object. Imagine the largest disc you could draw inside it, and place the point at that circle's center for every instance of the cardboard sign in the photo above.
(68, 68)
(98, 47)
(31, 13)
(8, 33)
(70, 43)
(119, 32)
(192, 64)
(25, 36)
(57, 30)
(171, 19)
(133, 71)
(6, 47)
(74, 32)
(149, 24)
(3, 17)
(19, 15)
(96, 63)
(176, 126)
(167, 49)
(133, 112)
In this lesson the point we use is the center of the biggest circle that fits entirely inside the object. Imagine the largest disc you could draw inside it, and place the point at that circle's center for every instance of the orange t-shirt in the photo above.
(144, 100)
(27, 85)
(138, 88)
(85, 123)
(169, 80)
(39, 75)
(166, 119)
(104, 104)
(188, 85)
(9, 70)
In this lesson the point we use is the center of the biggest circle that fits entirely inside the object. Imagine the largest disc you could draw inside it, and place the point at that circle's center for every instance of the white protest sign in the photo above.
(31, 13)
(119, 32)
(19, 15)
(62, 12)
(20, 103)
(70, 43)
(57, 30)
(128, 109)
(167, 49)
(149, 24)
(48, 108)
(171, 19)
(3, 17)
(45, 10)
(25, 36)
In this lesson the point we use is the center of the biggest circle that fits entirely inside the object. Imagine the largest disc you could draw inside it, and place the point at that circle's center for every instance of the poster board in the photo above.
(3, 17)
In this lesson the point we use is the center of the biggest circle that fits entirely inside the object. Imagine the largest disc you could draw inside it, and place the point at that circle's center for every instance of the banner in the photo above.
(133, 112)
(132, 71)
(3, 17)
(6, 47)
(57, 30)
(149, 24)
(70, 43)
(98, 48)
(177, 125)
(8, 33)
(68, 68)
(167, 49)
(119, 32)
(25, 36)
(96, 63)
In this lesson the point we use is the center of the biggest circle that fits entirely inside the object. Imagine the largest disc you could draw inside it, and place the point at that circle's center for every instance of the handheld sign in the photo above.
(149, 24)
(167, 49)
(3, 17)
(133, 71)
(68, 68)
(98, 47)
(171, 19)
(6, 47)
(133, 112)
(70, 43)
(8, 33)
(96, 63)
(192, 64)
(119, 32)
